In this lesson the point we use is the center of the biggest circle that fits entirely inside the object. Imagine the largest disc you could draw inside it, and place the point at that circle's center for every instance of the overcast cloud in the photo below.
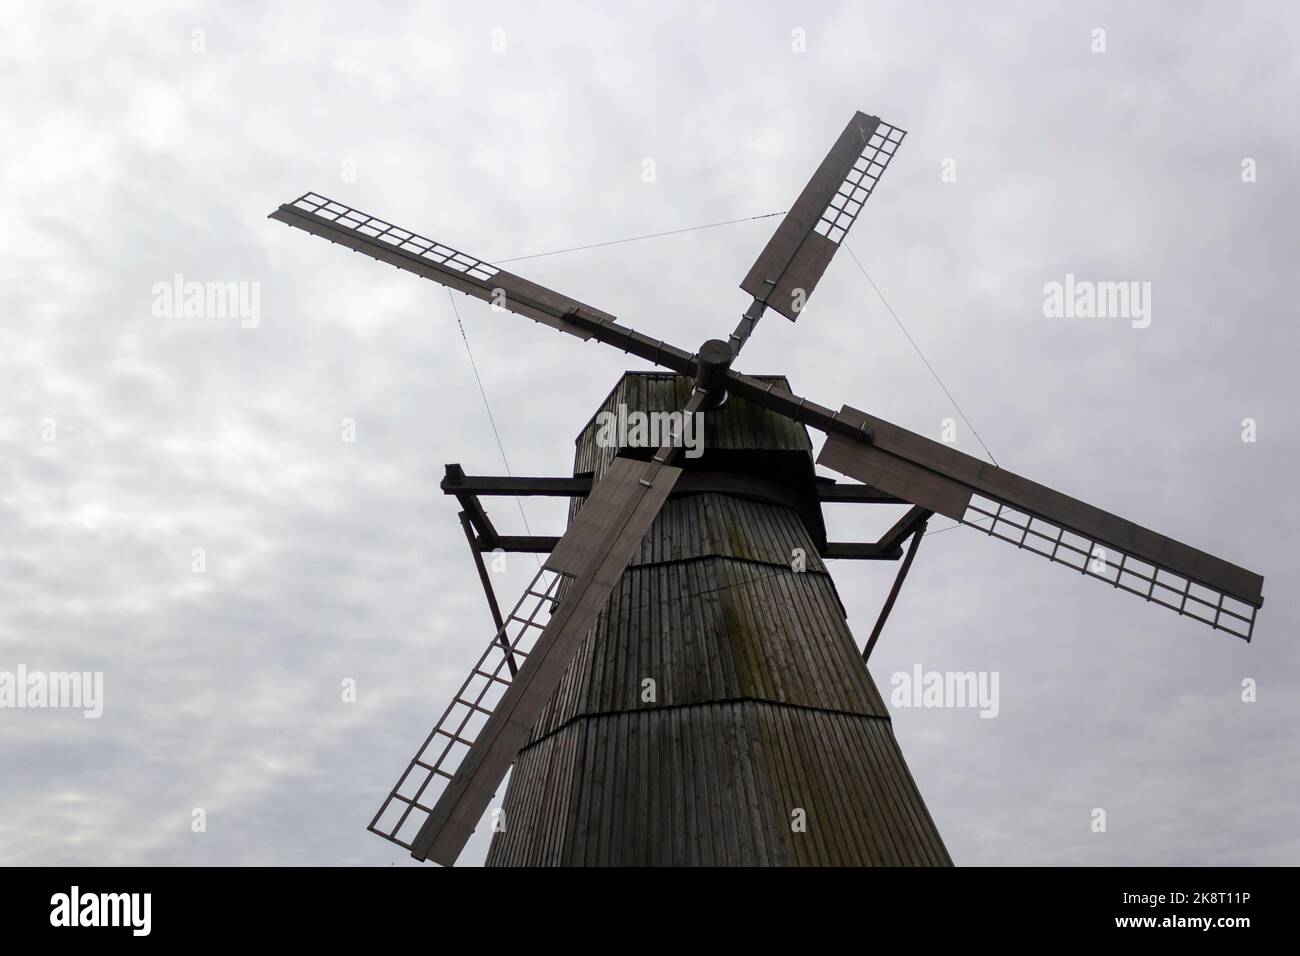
(130, 157)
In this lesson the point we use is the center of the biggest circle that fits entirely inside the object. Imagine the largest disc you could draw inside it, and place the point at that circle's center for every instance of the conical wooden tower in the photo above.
(719, 713)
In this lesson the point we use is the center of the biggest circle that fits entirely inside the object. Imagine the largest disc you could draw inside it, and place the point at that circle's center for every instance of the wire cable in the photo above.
(653, 235)
(923, 358)
(491, 418)
(953, 527)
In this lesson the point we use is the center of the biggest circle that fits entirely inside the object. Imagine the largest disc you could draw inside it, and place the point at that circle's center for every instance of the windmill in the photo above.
(767, 711)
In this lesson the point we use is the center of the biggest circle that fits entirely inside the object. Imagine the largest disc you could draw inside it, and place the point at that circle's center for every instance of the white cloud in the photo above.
(130, 158)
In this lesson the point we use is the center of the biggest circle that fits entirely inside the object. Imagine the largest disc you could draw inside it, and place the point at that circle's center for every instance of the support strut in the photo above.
(487, 589)
(893, 592)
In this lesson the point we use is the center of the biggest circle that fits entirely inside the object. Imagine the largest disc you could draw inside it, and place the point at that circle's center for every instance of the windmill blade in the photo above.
(794, 259)
(447, 786)
(385, 242)
(1063, 529)
(1093, 542)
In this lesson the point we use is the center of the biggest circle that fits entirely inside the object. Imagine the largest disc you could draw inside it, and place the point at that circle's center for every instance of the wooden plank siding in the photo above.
(716, 785)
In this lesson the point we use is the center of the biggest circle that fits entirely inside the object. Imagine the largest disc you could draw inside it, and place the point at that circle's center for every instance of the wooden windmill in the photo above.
(678, 683)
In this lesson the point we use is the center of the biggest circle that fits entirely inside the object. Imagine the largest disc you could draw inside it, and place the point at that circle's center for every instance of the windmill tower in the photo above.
(719, 712)
(678, 684)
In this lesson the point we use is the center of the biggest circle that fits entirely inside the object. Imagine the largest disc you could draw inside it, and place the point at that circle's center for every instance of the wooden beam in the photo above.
(917, 534)
(916, 515)
(841, 550)
(461, 484)
(831, 491)
(487, 589)
(861, 551)
(467, 489)
(473, 510)
(523, 543)
(458, 483)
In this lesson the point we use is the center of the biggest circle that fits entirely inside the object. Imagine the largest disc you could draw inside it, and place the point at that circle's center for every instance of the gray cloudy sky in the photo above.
(129, 157)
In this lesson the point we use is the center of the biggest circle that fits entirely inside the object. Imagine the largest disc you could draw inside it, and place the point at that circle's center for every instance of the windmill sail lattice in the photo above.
(467, 754)
(795, 258)
(410, 802)
(1096, 559)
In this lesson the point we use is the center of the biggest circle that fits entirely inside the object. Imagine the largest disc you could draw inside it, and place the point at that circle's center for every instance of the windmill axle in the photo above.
(714, 359)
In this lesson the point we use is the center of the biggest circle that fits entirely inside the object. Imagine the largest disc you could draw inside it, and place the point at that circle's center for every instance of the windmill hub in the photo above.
(714, 359)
